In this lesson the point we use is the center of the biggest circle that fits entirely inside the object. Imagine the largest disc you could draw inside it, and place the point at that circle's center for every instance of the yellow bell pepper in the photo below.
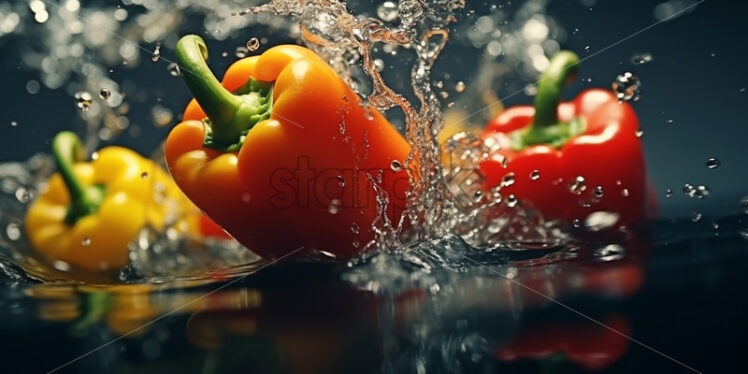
(88, 213)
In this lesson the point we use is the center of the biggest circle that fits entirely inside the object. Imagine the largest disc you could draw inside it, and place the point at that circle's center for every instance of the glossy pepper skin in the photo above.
(89, 211)
(281, 155)
(570, 159)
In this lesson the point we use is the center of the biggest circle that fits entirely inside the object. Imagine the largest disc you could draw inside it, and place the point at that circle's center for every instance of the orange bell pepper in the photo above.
(283, 155)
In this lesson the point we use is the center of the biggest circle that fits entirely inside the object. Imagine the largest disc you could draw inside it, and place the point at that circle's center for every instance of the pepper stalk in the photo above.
(230, 116)
(545, 127)
(84, 200)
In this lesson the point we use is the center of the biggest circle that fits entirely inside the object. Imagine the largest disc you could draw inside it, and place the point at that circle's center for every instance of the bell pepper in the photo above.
(89, 212)
(282, 155)
(570, 159)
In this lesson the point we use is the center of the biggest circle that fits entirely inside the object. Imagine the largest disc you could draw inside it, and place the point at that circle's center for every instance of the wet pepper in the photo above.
(89, 211)
(282, 156)
(570, 159)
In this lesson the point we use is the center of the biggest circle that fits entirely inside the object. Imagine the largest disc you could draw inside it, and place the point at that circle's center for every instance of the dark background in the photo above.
(695, 80)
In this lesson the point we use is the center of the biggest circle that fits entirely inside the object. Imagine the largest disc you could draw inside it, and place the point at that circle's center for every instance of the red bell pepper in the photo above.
(570, 159)
(589, 345)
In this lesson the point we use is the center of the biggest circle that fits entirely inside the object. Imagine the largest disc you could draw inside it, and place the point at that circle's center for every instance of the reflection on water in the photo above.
(515, 314)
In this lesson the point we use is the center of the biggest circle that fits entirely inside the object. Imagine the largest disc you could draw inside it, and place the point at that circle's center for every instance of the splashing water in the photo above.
(445, 199)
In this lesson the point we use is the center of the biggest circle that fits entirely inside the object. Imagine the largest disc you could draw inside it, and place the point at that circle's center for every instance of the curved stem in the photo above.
(84, 200)
(230, 116)
(561, 70)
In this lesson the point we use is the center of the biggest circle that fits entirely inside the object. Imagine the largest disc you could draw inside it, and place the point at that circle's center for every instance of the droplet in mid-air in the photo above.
(639, 133)
(578, 186)
(696, 217)
(713, 163)
(83, 100)
(105, 94)
(508, 179)
(641, 58)
(173, 69)
(253, 44)
(599, 192)
(626, 87)
(13, 123)
(668, 193)
(460, 86)
(334, 206)
(156, 55)
(387, 11)
(396, 166)
(241, 51)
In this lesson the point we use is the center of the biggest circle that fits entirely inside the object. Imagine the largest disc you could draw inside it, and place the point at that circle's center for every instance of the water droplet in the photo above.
(354, 228)
(13, 123)
(396, 166)
(23, 195)
(744, 204)
(244, 12)
(599, 192)
(587, 49)
(253, 44)
(511, 201)
(83, 100)
(669, 122)
(13, 231)
(641, 58)
(241, 51)
(610, 252)
(387, 11)
(61, 265)
(696, 217)
(689, 190)
(86, 242)
(460, 86)
(156, 55)
(104, 94)
(161, 116)
(535, 175)
(712, 163)
(144, 174)
(578, 186)
(597, 221)
(225, 54)
(668, 193)
(444, 94)
(173, 69)
(341, 180)
(626, 87)
(703, 191)
(379, 64)
(625, 192)
(508, 179)
(334, 206)
(639, 133)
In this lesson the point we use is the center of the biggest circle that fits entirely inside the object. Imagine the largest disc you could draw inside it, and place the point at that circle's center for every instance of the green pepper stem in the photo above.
(84, 200)
(230, 116)
(562, 69)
